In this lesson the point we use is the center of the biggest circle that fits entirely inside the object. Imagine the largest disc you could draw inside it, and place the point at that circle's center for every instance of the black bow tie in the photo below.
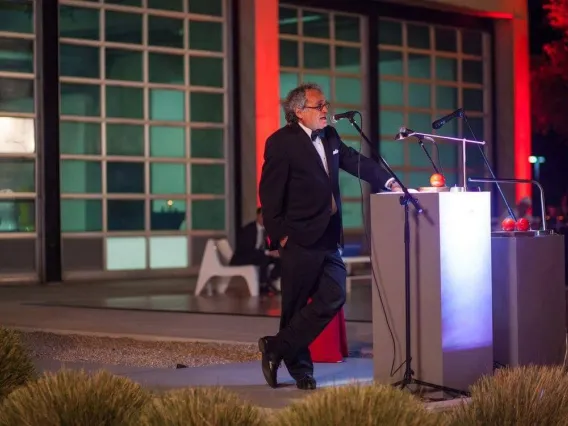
(316, 134)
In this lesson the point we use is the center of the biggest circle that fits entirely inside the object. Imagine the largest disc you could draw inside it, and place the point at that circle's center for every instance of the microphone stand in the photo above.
(510, 210)
(408, 378)
(405, 132)
(515, 181)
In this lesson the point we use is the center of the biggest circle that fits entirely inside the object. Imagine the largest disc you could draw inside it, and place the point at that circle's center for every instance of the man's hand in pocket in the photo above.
(274, 253)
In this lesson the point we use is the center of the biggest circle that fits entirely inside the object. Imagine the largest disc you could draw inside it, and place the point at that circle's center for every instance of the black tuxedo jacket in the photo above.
(295, 190)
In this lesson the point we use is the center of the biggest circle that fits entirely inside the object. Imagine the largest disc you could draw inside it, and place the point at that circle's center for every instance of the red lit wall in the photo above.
(267, 76)
(522, 99)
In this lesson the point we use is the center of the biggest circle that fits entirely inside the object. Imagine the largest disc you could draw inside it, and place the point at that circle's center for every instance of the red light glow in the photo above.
(522, 101)
(267, 69)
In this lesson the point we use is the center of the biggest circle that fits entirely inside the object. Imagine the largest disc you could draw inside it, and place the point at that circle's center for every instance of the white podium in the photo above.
(451, 289)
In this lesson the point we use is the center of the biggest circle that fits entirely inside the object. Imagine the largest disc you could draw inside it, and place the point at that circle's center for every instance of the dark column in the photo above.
(238, 194)
(47, 95)
(373, 113)
(373, 78)
(497, 204)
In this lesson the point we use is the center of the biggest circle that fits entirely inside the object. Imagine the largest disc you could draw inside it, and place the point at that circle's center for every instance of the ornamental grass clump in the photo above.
(75, 398)
(359, 405)
(16, 366)
(200, 406)
(518, 396)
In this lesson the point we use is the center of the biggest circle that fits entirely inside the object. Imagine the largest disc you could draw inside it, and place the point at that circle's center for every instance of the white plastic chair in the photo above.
(215, 264)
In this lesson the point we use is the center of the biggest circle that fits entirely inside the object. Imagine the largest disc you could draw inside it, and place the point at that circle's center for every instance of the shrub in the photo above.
(517, 396)
(358, 405)
(16, 366)
(200, 406)
(75, 398)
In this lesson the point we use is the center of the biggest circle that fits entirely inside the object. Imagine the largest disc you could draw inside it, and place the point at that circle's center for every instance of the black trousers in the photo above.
(318, 274)
(258, 258)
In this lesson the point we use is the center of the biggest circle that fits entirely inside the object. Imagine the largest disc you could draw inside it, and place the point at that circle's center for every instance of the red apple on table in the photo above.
(523, 224)
(508, 224)
(437, 180)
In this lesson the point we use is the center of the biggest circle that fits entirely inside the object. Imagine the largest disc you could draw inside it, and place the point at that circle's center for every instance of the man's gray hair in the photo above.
(296, 99)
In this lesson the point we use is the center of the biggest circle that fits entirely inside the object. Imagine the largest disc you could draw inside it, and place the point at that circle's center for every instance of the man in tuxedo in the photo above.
(299, 194)
(253, 249)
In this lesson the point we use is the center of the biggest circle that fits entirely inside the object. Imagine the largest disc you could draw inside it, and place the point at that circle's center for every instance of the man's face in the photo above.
(314, 113)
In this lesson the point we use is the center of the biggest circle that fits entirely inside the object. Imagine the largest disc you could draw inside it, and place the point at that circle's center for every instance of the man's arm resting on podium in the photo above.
(370, 171)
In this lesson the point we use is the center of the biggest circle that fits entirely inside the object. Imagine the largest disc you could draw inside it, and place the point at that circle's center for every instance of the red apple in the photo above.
(437, 180)
(523, 224)
(508, 225)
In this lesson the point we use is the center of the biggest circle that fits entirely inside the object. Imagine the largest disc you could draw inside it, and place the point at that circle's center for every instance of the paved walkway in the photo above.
(245, 379)
(17, 309)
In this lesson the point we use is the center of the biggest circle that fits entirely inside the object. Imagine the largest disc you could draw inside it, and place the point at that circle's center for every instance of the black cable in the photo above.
(482, 152)
(369, 244)
(439, 161)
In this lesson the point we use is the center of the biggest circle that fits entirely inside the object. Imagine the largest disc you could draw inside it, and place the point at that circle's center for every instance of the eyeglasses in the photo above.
(319, 107)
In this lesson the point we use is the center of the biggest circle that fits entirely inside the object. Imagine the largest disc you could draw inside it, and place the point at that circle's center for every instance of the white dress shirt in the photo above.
(318, 144)
(259, 234)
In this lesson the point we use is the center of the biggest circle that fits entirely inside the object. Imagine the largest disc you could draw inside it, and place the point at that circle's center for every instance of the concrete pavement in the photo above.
(18, 309)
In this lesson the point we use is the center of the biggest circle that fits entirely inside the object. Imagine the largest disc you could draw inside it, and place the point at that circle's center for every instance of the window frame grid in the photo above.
(35, 156)
(434, 83)
(145, 48)
(34, 197)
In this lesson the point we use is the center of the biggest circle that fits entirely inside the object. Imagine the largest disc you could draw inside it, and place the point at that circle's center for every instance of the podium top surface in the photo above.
(455, 206)
(415, 193)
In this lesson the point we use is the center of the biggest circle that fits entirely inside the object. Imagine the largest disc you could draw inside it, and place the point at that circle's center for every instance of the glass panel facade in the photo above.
(326, 48)
(426, 72)
(18, 170)
(143, 130)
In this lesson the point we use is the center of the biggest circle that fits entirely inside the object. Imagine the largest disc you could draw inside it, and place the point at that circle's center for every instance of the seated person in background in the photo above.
(552, 217)
(253, 249)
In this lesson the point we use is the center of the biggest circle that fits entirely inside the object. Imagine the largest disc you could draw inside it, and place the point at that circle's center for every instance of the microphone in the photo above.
(461, 114)
(404, 132)
(442, 121)
(348, 114)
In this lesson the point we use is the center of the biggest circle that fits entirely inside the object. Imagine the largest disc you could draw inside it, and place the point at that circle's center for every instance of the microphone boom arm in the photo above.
(404, 132)
(460, 113)
(463, 141)
(532, 181)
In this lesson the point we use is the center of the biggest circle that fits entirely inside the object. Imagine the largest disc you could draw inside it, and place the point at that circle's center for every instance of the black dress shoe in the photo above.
(306, 383)
(270, 362)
